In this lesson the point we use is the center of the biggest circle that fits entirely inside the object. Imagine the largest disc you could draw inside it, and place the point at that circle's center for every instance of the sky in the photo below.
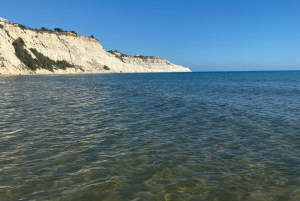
(204, 35)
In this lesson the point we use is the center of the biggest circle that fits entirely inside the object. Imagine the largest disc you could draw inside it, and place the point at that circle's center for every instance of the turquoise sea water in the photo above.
(174, 136)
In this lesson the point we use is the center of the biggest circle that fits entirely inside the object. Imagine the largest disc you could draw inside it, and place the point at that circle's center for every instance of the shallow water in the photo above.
(181, 136)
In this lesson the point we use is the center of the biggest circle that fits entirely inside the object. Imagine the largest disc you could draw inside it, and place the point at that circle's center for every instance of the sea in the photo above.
(218, 136)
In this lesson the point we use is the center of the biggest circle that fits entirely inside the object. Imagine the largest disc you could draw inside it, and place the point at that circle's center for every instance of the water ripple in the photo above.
(185, 136)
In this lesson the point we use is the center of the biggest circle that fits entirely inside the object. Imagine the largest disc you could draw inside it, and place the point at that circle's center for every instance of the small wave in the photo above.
(13, 132)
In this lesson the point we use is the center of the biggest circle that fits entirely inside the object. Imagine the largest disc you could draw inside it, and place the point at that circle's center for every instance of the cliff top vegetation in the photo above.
(120, 55)
(42, 29)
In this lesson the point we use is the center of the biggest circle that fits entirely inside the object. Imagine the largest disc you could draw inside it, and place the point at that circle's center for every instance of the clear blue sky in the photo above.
(205, 35)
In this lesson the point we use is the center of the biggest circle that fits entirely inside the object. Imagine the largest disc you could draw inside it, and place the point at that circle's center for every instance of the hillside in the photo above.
(32, 51)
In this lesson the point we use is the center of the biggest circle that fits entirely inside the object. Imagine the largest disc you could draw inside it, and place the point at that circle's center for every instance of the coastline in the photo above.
(45, 51)
(107, 73)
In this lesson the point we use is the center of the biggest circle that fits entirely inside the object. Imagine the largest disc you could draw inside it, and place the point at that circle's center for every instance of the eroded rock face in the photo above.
(86, 54)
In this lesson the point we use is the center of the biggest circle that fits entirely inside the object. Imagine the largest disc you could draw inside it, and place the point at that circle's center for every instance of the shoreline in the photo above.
(56, 74)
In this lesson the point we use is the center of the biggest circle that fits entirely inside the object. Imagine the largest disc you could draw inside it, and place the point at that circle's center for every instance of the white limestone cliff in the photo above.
(85, 53)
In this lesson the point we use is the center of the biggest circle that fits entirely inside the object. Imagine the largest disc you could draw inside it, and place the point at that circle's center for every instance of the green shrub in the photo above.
(41, 61)
(22, 26)
(20, 41)
(23, 54)
(74, 32)
(106, 67)
(92, 36)
(47, 63)
(58, 30)
(44, 29)
(63, 64)
(1, 26)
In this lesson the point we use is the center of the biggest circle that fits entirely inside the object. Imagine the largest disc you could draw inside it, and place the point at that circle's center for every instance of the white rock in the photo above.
(85, 53)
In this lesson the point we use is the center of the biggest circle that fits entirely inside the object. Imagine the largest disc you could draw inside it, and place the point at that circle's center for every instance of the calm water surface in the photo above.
(182, 136)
